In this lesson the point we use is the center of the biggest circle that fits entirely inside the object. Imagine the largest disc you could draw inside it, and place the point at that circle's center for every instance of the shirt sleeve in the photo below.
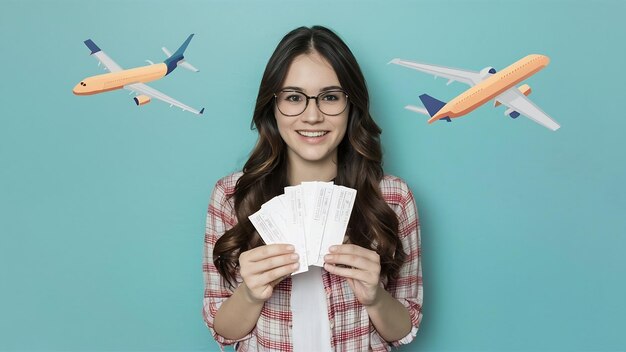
(220, 217)
(408, 288)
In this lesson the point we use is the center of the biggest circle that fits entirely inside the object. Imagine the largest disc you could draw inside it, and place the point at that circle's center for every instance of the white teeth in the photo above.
(312, 134)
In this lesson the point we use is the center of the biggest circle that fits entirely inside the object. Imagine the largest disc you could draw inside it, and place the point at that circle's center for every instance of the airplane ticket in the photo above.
(340, 209)
(267, 228)
(291, 227)
(295, 208)
(316, 204)
(311, 216)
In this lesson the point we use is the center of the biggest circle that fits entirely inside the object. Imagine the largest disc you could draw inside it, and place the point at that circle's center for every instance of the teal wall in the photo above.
(102, 204)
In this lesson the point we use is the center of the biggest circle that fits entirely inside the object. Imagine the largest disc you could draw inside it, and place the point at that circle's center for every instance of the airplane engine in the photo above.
(514, 114)
(141, 99)
(487, 71)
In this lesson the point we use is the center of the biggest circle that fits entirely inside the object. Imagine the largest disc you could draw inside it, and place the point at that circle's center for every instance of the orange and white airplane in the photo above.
(134, 79)
(485, 85)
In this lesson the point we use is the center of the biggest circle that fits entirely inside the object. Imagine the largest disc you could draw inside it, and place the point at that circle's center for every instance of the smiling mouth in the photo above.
(312, 133)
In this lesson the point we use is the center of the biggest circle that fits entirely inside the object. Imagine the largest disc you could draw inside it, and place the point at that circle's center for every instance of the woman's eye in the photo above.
(331, 97)
(294, 98)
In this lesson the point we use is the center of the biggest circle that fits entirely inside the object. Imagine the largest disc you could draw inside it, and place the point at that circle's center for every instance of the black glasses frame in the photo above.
(309, 97)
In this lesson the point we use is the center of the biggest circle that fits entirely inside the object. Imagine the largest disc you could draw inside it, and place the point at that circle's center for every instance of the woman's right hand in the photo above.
(263, 267)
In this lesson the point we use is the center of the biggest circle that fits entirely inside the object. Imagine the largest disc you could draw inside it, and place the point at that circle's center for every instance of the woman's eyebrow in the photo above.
(330, 88)
(293, 88)
(300, 89)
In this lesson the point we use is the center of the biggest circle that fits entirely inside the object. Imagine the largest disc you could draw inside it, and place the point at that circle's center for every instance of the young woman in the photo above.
(312, 116)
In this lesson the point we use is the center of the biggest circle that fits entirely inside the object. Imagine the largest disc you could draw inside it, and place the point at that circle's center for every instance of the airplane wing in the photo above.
(470, 78)
(517, 101)
(141, 88)
(417, 109)
(103, 58)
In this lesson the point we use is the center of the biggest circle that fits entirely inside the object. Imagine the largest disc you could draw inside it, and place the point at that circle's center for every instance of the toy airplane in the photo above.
(485, 85)
(134, 79)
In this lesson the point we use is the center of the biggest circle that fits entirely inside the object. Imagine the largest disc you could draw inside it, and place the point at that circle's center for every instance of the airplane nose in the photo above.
(76, 89)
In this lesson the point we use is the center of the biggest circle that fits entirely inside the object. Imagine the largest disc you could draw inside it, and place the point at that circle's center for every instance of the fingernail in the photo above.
(290, 248)
(328, 257)
(294, 256)
(332, 248)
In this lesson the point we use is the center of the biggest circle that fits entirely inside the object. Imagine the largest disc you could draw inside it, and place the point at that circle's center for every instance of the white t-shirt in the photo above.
(311, 328)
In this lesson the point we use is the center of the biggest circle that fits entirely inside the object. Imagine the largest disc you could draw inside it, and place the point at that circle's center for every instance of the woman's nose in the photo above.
(312, 113)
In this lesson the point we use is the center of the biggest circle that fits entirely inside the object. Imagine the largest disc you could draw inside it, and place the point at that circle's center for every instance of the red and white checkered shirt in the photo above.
(351, 328)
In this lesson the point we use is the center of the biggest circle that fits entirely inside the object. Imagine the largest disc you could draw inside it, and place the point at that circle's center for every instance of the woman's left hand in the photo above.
(361, 268)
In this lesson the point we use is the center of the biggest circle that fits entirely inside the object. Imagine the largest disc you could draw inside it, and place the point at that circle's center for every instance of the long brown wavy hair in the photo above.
(373, 224)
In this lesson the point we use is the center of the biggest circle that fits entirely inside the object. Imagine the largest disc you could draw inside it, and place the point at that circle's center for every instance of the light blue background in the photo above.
(102, 204)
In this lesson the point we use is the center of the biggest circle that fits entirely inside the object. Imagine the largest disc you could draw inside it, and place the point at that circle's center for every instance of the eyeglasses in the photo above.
(293, 103)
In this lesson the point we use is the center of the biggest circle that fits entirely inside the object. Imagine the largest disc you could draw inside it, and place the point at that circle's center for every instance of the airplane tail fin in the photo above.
(181, 63)
(177, 59)
(433, 105)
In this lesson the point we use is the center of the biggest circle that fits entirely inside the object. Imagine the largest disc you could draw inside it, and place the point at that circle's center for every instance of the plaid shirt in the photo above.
(351, 328)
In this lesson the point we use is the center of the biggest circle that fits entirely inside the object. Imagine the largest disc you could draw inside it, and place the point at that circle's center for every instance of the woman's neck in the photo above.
(300, 171)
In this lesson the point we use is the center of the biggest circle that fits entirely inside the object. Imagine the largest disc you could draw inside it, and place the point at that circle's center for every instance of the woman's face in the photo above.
(311, 137)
